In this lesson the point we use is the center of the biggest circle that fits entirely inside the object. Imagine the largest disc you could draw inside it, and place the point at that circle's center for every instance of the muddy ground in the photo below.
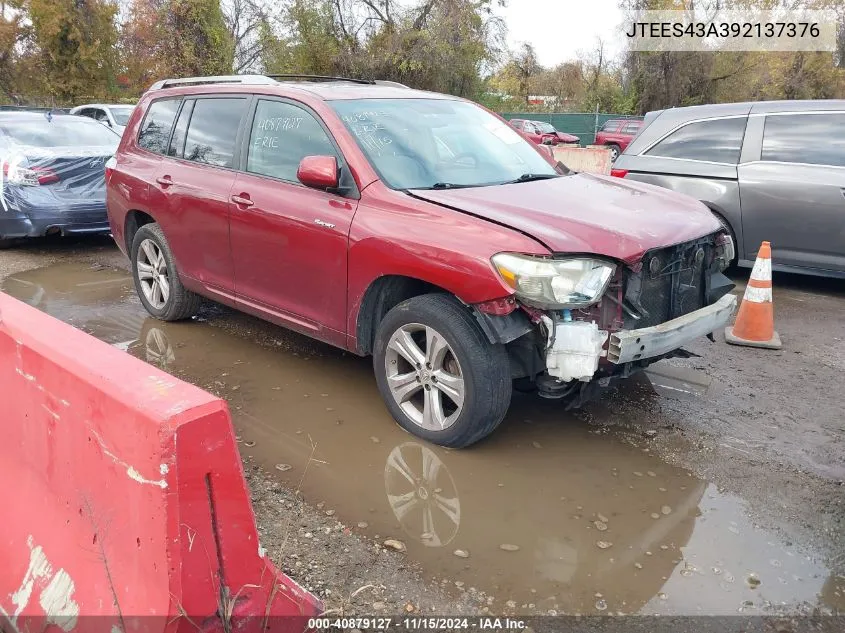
(712, 485)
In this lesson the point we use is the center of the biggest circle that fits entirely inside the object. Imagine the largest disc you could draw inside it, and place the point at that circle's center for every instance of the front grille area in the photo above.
(670, 283)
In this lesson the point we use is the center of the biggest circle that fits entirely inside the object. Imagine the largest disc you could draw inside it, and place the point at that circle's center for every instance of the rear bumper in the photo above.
(633, 345)
(21, 219)
(38, 227)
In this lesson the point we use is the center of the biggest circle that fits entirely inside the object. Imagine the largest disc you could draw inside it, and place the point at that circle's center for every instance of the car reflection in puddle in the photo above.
(548, 514)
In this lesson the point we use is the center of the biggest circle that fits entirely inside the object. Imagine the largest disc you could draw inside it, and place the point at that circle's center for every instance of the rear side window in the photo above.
(631, 128)
(815, 139)
(155, 130)
(212, 131)
(177, 141)
(717, 141)
(282, 135)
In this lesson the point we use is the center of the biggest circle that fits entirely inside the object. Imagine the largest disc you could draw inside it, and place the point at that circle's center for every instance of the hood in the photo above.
(568, 138)
(586, 213)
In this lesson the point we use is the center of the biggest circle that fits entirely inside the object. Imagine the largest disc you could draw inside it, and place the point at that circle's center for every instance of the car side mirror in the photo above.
(319, 172)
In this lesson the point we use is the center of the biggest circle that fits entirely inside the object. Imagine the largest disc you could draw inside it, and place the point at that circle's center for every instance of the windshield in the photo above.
(426, 143)
(121, 115)
(546, 128)
(62, 131)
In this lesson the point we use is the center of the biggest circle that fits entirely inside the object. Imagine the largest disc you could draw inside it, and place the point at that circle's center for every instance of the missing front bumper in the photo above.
(632, 345)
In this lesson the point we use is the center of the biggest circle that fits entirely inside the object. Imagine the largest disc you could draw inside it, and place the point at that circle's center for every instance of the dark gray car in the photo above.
(52, 175)
(769, 171)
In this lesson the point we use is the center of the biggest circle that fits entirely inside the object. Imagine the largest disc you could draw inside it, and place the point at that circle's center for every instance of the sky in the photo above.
(560, 29)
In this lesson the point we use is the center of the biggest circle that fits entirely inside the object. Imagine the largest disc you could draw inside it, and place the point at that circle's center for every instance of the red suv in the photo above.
(617, 134)
(415, 227)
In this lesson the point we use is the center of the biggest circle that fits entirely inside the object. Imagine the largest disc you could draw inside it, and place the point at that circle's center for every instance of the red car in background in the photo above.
(617, 134)
(543, 133)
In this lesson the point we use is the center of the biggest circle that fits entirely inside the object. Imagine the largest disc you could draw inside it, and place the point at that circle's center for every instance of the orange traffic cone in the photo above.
(755, 322)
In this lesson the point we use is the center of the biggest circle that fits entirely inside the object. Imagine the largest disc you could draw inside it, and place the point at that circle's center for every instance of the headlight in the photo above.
(725, 250)
(574, 282)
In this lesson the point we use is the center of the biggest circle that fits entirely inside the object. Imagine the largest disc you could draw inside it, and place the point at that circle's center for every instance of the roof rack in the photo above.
(322, 78)
(385, 82)
(264, 80)
(216, 79)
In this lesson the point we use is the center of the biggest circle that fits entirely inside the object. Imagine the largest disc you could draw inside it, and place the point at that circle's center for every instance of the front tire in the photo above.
(440, 377)
(157, 279)
(614, 152)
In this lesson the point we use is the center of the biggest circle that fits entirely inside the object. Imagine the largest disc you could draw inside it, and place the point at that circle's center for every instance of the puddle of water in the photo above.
(100, 302)
(598, 525)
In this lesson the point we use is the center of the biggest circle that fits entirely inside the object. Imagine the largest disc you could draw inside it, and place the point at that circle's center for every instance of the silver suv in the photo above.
(769, 171)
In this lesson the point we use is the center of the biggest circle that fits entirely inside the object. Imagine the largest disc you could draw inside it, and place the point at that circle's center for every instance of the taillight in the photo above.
(29, 176)
(110, 163)
(45, 175)
(619, 173)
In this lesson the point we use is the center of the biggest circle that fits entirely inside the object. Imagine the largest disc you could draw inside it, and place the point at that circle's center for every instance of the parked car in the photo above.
(114, 116)
(617, 134)
(543, 133)
(52, 175)
(329, 207)
(771, 171)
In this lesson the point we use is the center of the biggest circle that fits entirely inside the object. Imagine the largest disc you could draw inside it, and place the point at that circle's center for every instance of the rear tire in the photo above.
(157, 278)
(458, 389)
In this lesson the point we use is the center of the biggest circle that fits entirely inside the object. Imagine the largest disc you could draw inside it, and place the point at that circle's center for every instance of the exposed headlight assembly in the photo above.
(572, 282)
(725, 250)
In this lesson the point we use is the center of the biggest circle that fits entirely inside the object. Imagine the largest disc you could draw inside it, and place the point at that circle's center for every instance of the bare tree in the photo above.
(245, 20)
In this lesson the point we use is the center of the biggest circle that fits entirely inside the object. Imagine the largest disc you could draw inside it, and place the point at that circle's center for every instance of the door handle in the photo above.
(164, 181)
(242, 200)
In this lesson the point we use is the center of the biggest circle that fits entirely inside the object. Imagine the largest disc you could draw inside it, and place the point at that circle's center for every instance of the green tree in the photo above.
(75, 41)
(13, 32)
(197, 41)
(311, 45)
(142, 46)
(441, 45)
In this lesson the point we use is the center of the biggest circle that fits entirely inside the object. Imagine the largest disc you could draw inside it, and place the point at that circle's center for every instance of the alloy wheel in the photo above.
(424, 376)
(153, 274)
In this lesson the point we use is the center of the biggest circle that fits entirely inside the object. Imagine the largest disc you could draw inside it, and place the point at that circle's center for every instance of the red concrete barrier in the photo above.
(122, 496)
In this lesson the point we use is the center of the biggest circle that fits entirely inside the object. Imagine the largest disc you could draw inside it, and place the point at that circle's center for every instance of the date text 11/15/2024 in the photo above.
(417, 623)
